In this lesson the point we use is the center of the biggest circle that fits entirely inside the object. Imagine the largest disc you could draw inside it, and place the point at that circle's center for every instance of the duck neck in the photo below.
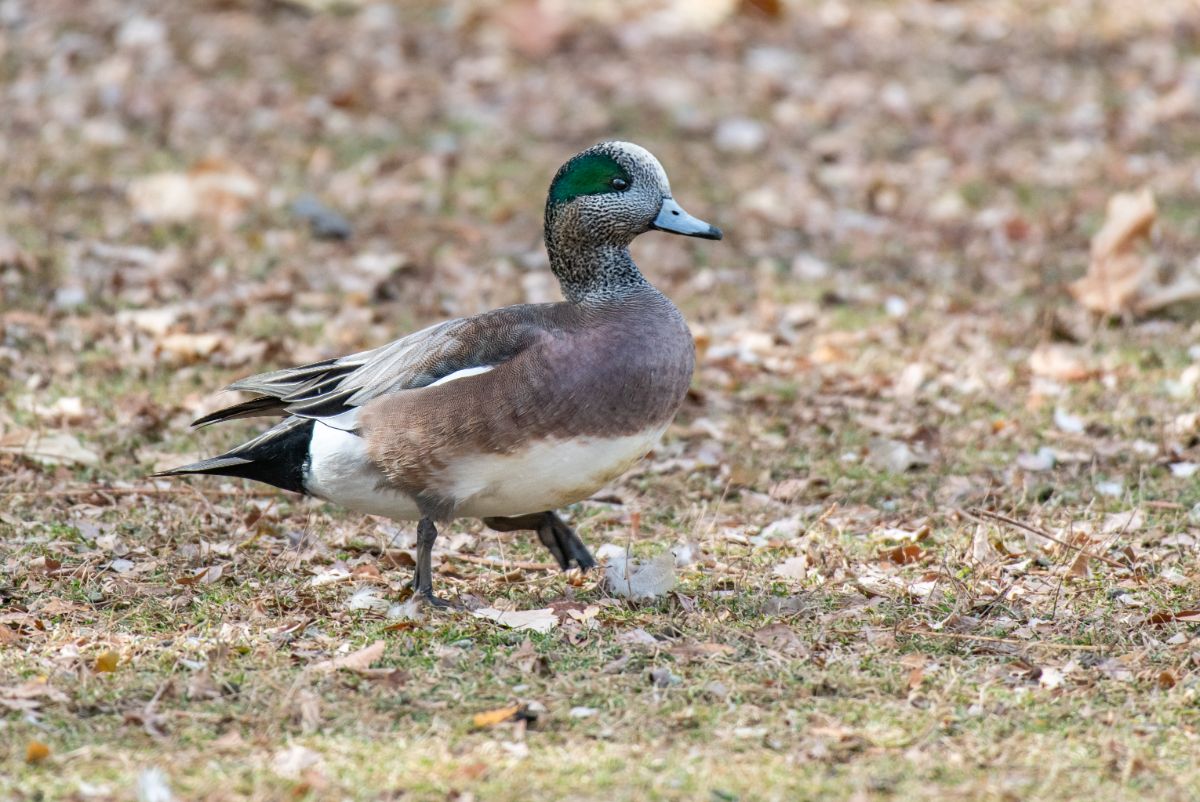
(594, 271)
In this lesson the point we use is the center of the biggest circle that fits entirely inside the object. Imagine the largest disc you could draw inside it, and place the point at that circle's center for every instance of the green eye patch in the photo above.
(589, 174)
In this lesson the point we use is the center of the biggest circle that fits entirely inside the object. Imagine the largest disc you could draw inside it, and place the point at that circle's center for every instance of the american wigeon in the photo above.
(506, 415)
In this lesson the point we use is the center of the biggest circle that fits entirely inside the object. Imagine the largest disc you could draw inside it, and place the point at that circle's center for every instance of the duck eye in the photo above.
(618, 183)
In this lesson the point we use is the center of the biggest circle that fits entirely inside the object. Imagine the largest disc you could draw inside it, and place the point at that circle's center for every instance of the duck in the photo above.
(504, 416)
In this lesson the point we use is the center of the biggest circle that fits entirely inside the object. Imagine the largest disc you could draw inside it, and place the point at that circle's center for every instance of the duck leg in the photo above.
(555, 535)
(422, 581)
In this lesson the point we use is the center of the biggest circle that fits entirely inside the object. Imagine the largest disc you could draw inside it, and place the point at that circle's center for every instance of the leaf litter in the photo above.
(930, 347)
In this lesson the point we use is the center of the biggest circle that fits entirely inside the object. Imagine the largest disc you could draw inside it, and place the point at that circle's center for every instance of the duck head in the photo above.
(599, 201)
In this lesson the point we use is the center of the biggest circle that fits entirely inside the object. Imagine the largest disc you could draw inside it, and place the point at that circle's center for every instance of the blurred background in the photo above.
(194, 191)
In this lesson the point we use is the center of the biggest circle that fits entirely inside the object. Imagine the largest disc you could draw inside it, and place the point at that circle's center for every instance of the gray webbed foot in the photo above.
(555, 535)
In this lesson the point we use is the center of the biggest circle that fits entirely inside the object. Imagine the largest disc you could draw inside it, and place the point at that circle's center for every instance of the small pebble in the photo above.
(324, 222)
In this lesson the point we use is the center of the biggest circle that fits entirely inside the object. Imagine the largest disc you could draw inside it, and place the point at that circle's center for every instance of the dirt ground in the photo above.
(931, 506)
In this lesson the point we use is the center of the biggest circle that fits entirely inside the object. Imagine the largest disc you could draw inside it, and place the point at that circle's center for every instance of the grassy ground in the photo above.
(936, 528)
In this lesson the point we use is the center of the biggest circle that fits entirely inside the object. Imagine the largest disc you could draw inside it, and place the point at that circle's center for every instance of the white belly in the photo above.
(544, 476)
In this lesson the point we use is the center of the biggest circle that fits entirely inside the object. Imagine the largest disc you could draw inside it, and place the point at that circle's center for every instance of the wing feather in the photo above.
(333, 386)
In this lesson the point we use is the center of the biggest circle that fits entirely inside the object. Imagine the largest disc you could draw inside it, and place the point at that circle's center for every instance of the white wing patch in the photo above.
(462, 374)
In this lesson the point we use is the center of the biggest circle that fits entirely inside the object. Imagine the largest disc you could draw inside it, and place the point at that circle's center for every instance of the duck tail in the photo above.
(279, 457)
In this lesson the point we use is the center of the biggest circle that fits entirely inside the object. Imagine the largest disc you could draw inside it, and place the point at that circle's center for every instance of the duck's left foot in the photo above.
(566, 543)
(555, 535)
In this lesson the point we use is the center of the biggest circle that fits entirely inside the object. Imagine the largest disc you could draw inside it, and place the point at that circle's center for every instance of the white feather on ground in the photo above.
(638, 579)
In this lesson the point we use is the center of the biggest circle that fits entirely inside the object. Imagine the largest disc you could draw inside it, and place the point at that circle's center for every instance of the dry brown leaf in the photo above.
(51, 448)
(915, 663)
(184, 349)
(781, 637)
(26, 696)
(1079, 566)
(693, 650)
(1066, 363)
(203, 576)
(793, 568)
(490, 718)
(36, 752)
(106, 662)
(542, 620)
(355, 661)
(915, 677)
(1167, 616)
(214, 189)
(982, 549)
(903, 555)
(1116, 273)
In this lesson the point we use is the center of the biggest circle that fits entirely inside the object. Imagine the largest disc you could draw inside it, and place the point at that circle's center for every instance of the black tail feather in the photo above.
(255, 407)
(277, 457)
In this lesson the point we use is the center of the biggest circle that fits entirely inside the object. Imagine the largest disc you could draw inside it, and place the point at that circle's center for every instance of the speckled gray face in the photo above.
(615, 191)
(598, 203)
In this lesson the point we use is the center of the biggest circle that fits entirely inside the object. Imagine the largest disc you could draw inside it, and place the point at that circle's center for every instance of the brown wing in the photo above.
(329, 388)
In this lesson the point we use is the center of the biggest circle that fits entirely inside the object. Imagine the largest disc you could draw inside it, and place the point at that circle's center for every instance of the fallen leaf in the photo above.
(783, 529)
(779, 636)
(202, 576)
(1167, 616)
(542, 620)
(915, 663)
(793, 568)
(490, 718)
(1127, 521)
(106, 662)
(355, 661)
(693, 650)
(892, 456)
(903, 555)
(982, 549)
(185, 349)
(53, 448)
(1060, 362)
(213, 189)
(1051, 677)
(36, 752)
(637, 636)
(26, 696)
(1116, 273)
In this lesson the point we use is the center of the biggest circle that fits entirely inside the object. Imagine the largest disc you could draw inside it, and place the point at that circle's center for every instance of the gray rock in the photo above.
(324, 222)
